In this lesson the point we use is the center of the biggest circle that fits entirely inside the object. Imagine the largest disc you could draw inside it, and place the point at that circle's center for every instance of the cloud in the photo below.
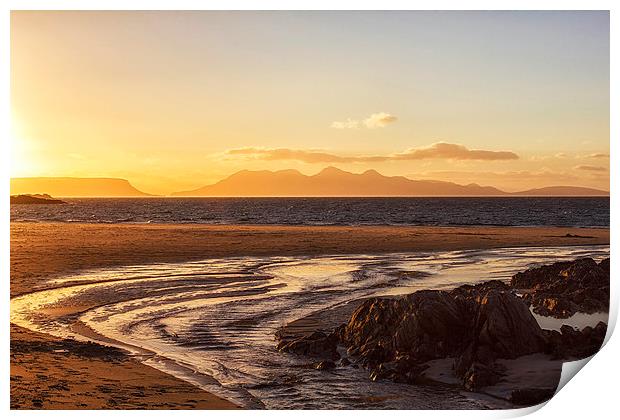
(591, 168)
(538, 158)
(598, 155)
(378, 120)
(308, 156)
(434, 151)
(454, 151)
(349, 123)
(468, 176)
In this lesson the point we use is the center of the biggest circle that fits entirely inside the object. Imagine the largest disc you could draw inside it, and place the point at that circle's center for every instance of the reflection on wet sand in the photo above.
(212, 322)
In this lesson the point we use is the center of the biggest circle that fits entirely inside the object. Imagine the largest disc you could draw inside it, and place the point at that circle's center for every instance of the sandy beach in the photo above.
(48, 373)
(101, 377)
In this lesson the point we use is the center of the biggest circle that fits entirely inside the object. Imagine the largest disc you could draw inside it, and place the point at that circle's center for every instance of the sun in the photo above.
(23, 160)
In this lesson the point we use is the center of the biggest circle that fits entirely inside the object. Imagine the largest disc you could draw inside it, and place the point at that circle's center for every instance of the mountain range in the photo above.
(330, 182)
(335, 182)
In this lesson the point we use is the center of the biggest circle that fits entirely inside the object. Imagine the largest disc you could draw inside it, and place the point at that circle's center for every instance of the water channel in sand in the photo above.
(213, 322)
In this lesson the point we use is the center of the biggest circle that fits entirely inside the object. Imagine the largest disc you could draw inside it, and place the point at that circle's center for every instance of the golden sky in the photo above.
(176, 100)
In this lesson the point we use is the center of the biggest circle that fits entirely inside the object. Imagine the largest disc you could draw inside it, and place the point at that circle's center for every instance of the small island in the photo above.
(35, 199)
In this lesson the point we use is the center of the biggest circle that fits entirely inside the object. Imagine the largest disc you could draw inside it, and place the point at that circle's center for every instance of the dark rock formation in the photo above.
(474, 324)
(316, 344)
(531, 396)
(503, 328)
(325, 365)
(35, 199)
(572, 344)
(562, 289)
(424, 325)
(480, 375)
(604, 265)
(344, 362)
(400, 338)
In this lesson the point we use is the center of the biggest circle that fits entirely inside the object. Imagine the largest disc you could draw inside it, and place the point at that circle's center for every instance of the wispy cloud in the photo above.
(590, 168)
(598, 155)
(348, 123)
(308, 156)
(377, 120)
(434, 151)
(560, 155)
(454, 151)
(534, 175)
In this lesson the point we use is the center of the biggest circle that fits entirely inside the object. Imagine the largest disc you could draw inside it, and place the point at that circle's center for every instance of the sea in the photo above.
(414, 211)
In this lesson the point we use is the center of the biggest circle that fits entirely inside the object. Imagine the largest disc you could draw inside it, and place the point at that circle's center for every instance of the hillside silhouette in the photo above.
(76, 187)
(335, 182)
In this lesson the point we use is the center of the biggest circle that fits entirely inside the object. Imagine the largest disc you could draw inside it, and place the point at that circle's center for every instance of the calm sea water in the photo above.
(501, 211)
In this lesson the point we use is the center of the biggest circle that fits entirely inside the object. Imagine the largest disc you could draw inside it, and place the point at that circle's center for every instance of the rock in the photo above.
(325, 365)
(505, 325)
(316, 344)
(394, 338)
(503, 328)
(604, 265)
(558, 307)
(533, 278)
(383, 371)
(565, 288)
(425, 325)
(572, 344)
(474, 324)
(531, 396)
(34, 199)
(479, 376)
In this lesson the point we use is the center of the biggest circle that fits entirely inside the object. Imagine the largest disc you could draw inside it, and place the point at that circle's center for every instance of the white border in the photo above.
(592, 395)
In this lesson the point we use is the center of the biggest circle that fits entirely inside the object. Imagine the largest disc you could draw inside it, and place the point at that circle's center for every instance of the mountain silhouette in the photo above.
(335, 182)
(563, 191)
(76, 187)
(330, 182)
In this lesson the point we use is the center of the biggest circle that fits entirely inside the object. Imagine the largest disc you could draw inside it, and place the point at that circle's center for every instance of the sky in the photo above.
(177, 100)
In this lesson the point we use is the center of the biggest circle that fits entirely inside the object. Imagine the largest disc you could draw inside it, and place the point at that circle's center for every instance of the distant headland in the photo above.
(76, 187)
(35, 199)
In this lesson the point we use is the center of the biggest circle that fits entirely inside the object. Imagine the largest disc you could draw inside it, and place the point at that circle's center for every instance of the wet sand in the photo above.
(40, 251)
(51, 373)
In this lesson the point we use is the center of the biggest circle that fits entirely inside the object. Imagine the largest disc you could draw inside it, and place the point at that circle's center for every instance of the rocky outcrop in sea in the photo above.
(562, 289)
(35, 199)
(476, 327)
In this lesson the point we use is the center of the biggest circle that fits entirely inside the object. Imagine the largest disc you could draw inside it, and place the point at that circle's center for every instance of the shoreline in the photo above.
(42, 251)
(294, 225)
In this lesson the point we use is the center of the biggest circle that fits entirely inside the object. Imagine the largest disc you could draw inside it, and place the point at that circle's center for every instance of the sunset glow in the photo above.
(177, 100)
(308, 210)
